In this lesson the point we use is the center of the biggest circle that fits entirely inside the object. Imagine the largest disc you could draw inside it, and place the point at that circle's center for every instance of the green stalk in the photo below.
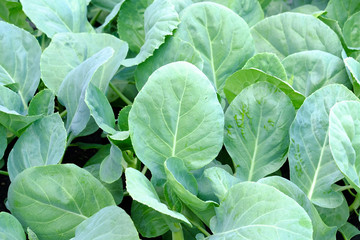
(4, 173)
(177, 235)
(120, 94)
(356, 203)
(93, 20)
(63, 113)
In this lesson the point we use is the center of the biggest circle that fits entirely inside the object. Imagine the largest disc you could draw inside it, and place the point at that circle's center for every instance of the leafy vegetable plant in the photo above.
(180, 119)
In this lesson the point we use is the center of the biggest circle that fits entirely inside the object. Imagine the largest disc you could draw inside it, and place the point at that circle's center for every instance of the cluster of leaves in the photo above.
(227, 92)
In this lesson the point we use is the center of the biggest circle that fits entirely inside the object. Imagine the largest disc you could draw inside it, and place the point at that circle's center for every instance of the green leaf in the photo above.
(100, 109)
(115, 188)
(348, 231)
(352, 31)
(335, 216)
(31, 234)
(148, 222)
(246, 77)
(312, 168)
(115, 10)
(257, 126)
(42, 103)
(43, 143)
(221, 181)
(341, 10)
(268, 63)
(19, 60)
(221, 36)
(3, 141)
(160, 19)
(311, 70)
(249, 10)
(72, 90)
(107, 5)
(184, 185)
(12, 12)
(354, 68)
(53, 17)
(344, 139)
(111, 168)
(10, 228)
(66, 193)
(142, 191)
(176, 114)
(68, 50)
(122, 121)
(258, 211)
(131, 23)
(167, 53)
(321, 230)
(276, 34)
(110, 223)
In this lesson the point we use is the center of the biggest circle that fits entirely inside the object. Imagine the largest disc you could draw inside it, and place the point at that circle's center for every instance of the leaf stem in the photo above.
(4, 173)
(177, 235)
(120, 94)
(63, 113)
(93, 20)
(198, 226)
(144, 170)
(343, 188)
(355, 204)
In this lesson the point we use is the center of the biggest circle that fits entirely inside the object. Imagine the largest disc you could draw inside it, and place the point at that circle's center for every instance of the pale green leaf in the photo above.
(19, 61)
(66, 193)
(257, 211)
(176, 114)
(68, 50)
(114, 11)
(107, 5)
(341, 10)
(221, 36)
(349, 231)
(352, 31)
(10, 228)
(43, 143)
(53, 17)
(110, 223)
(111, 168)
(42, 103)
(335, 216)
(311, 70)
(312, 167)
(288, 33)
(257, 126)
(354, 68)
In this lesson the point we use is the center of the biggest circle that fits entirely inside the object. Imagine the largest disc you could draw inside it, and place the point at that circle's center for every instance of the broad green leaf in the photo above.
(348, 231)
(321, 230)
(3, 141)
(341, 10)
(306, 9)
(334, 25)
(167, 53)
(184, 185)
(43, 143)
(122, 121)
(312, 168)
(53, 17)
(10, 228)
(12, 112)
(268, 63)
(68, 50)
(258, 211)
(72, 90)
(249, 10)
(12, 12)
(288, 33)
(142, 191)
(19, 61)
(335, 216)
(111, 168)
(352, 31)
(107, 5)
(354, 68)
(311, 70)
(131, 23)
(42, 103)
(66, 193)
(176, 114)
(110, 223)
(257, 126)
(115, 10)
(115, 188)
(160, 19)
(344, 138)
(100, 109)
(221, 36)
(148, 222)
(246, 77)
(221, 181)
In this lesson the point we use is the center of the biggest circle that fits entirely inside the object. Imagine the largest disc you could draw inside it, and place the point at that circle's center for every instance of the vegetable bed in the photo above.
(180, 119)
